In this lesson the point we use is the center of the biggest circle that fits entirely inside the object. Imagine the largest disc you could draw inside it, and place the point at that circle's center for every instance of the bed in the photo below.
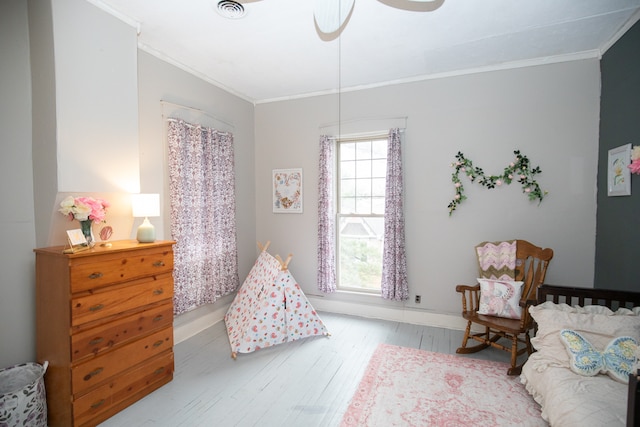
(597, 317)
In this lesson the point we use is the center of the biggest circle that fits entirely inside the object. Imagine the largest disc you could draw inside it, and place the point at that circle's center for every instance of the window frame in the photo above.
(340, 215)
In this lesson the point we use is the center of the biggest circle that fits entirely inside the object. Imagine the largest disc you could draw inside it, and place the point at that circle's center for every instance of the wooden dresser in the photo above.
(105, 324)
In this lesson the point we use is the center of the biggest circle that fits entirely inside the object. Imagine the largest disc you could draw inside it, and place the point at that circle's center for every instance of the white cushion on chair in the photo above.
(500, 298)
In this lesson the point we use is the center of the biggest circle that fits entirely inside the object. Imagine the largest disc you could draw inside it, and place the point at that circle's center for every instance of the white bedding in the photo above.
(568, 399)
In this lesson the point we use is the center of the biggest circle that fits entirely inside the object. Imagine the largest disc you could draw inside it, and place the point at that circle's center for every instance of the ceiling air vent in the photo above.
(230, 9)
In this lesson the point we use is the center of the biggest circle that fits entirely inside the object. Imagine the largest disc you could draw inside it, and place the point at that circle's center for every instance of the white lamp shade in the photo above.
(145, 205)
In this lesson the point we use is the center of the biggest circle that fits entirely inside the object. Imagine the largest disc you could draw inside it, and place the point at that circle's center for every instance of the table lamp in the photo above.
(145, 205)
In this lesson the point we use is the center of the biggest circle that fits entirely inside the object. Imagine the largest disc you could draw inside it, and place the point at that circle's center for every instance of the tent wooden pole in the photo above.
(263, 248)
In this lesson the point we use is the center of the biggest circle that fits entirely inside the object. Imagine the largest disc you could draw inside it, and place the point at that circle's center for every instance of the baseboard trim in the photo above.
(395, 314)
(190, 324)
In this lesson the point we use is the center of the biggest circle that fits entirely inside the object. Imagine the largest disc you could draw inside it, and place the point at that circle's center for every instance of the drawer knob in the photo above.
(96, 275)
(96, 341)
(93, 374)
(158, 264)
(158, 343)
(96, 307)
(158, 318)
(158, 291)
(98, 404)
(158, 371)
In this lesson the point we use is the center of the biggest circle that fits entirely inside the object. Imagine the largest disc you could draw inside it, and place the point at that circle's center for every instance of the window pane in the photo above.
(377, 205)
(379, 149)
(348, 169)
(347, 187)
(348, 205)
(378, 187)
(363, 169)
(363, 205)
(348, 151)
(360, 254)
(363, 188)
(363, 150)
(379, 168)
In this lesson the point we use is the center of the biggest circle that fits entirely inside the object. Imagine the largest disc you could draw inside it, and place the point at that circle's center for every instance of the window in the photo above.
(362, 168)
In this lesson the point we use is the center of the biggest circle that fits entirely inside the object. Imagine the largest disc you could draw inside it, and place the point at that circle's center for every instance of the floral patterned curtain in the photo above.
(203, 224)
(326, 218)
(394, 262)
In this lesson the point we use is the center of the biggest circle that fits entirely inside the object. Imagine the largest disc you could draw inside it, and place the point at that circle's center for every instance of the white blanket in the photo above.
(569, 399)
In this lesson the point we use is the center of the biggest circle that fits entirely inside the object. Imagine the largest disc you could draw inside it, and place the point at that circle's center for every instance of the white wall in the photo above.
(17, 290)
(96, 99)
(550, 113)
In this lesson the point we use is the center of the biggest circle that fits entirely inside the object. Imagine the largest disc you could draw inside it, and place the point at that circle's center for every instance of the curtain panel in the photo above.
(203, 223)
(394, 262)
(326, 218)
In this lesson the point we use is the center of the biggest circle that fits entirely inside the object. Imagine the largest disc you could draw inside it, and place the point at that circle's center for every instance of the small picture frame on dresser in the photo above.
(77, 242)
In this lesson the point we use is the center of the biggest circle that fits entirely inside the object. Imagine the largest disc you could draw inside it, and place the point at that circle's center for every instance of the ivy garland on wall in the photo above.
(519, 169)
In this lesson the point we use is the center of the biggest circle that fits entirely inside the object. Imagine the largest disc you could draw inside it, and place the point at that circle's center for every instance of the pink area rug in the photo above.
(409, 387)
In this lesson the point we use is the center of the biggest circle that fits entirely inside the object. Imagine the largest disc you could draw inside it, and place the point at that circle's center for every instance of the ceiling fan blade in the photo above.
(414, 5)
(330, 15)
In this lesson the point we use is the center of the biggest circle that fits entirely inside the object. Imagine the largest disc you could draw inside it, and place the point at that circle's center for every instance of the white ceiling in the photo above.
(275, 51)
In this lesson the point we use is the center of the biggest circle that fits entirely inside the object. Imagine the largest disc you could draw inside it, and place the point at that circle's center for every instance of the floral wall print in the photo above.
(519, 170)
(634, 167)
(618, 171)
(287, 190)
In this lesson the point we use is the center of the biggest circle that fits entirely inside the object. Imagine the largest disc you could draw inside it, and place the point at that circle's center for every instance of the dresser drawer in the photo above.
(136, 294)
(106, 269)
(97, 340)
(104, 367)
(158, 370)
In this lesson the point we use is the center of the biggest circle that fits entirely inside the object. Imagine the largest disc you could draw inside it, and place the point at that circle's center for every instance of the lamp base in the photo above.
(146, 232)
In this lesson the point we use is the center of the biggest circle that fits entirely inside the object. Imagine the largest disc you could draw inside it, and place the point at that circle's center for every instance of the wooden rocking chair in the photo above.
(530, 267)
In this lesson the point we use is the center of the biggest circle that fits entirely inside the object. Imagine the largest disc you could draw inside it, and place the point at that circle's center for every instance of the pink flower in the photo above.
(512, 164)
(635, 166)
(84, 208)
(457, 196)
(510, 176)
(527, 190)
(498, 182)
(522, 177)
(458, 185)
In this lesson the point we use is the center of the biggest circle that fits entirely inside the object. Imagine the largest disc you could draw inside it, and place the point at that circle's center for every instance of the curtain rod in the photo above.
(197, 110)
(381, 123)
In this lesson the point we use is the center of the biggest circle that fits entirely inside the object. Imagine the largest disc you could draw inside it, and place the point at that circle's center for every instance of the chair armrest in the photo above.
(465, 288)
(470, 297)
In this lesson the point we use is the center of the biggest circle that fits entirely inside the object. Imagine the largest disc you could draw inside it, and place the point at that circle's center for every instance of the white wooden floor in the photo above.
(303, 383)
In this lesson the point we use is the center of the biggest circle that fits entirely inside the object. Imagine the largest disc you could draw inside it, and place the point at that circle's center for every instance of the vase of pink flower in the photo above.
(86, 210)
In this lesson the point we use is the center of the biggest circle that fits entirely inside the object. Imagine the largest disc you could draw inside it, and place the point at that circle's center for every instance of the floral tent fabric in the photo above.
(269, 309)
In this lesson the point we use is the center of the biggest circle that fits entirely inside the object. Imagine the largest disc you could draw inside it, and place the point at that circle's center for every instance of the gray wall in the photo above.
(548, 112)
(17, 303)
(618, 232)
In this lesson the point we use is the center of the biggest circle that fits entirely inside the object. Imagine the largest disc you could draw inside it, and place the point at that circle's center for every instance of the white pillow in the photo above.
(598, 324)
(500, 298)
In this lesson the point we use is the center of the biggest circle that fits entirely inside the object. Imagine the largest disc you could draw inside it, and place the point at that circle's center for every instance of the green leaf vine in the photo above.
(519, 170)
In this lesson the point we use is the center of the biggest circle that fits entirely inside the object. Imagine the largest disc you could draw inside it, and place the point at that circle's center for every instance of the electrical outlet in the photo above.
(418, 298)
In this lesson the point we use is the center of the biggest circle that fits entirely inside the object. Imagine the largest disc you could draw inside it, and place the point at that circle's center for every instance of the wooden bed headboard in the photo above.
(588, 296)
(614, 300)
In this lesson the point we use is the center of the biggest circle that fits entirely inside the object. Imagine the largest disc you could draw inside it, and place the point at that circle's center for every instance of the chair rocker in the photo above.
(531, 264)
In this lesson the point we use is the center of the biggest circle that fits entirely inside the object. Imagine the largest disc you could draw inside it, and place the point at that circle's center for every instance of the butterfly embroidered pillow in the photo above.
(616, 360)
(500, 298)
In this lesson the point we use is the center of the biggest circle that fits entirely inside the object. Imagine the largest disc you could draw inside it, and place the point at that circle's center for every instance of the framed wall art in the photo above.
(618, 174)
(287, 190)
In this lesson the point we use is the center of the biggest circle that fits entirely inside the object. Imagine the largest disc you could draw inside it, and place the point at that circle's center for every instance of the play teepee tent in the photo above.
(270, 308)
